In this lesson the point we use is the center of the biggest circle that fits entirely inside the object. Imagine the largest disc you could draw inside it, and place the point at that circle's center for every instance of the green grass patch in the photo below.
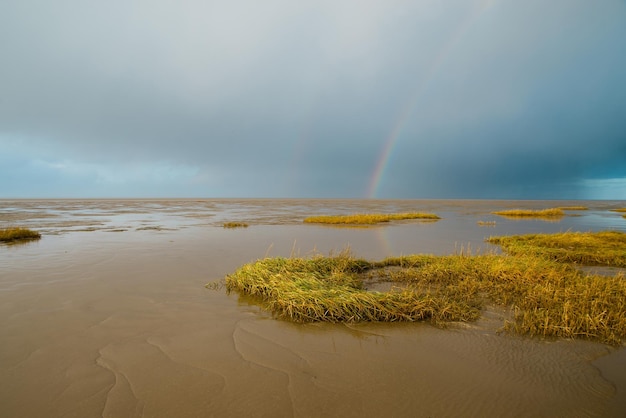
(368, 218)
(606, 248)
(530, 213)
(18, 234)
(235, 225)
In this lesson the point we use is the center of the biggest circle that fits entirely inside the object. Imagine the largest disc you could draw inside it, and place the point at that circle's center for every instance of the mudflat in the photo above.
(107, 315)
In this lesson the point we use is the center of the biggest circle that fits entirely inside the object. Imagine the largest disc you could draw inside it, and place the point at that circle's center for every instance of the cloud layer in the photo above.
(299, 99)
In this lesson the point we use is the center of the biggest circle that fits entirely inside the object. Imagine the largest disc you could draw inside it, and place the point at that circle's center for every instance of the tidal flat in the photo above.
(95, 323)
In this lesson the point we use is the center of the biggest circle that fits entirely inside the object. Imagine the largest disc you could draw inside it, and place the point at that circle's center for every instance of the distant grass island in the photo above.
(369, 218)
(16, 234)
(531, 213)
(235, 225)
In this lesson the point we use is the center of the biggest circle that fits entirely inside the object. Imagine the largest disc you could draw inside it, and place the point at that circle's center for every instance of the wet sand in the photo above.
(120, 324)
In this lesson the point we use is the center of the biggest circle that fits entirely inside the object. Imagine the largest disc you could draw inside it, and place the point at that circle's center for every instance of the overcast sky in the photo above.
(284, 98)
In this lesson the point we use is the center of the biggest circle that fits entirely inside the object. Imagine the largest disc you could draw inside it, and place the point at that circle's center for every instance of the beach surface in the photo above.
(108, 315)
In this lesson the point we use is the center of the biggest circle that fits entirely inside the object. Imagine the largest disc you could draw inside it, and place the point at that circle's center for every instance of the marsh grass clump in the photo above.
(369, 218)
(15, 234)
(235, 225)
(530, 213)
(546, 296)
(574, 305)
(605, 248)
(331, 289)
(486, 223)
(573, 208)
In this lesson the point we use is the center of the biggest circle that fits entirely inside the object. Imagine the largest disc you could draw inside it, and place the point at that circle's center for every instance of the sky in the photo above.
(487, 99)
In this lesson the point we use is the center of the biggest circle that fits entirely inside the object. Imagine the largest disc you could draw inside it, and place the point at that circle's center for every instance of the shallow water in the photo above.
(107, 315)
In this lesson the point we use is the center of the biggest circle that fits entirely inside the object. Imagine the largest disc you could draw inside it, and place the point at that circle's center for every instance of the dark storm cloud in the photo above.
(281, 98)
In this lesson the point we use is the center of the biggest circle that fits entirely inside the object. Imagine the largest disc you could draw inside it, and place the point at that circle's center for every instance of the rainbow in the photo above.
(408, 109)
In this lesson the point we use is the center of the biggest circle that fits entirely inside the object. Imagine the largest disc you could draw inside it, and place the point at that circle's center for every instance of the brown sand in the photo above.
(120, 325)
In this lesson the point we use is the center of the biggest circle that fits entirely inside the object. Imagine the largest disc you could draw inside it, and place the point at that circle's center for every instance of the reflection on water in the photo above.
(95, 323)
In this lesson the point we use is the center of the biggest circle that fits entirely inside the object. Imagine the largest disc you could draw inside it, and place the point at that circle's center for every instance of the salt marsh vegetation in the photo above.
(545, 295)
(605, 248)
(235, 225)
(530, 213)
(369, 218)
(14, 234)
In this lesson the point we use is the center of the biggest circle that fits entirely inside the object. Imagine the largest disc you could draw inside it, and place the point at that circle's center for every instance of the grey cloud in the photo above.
(297, 98)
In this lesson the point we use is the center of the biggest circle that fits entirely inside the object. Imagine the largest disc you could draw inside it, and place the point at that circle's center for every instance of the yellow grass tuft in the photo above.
(235, 225)
(605, 248)
(18, 234)
(529, 213)
(573, 208)
(368, 219)
(330, 289)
